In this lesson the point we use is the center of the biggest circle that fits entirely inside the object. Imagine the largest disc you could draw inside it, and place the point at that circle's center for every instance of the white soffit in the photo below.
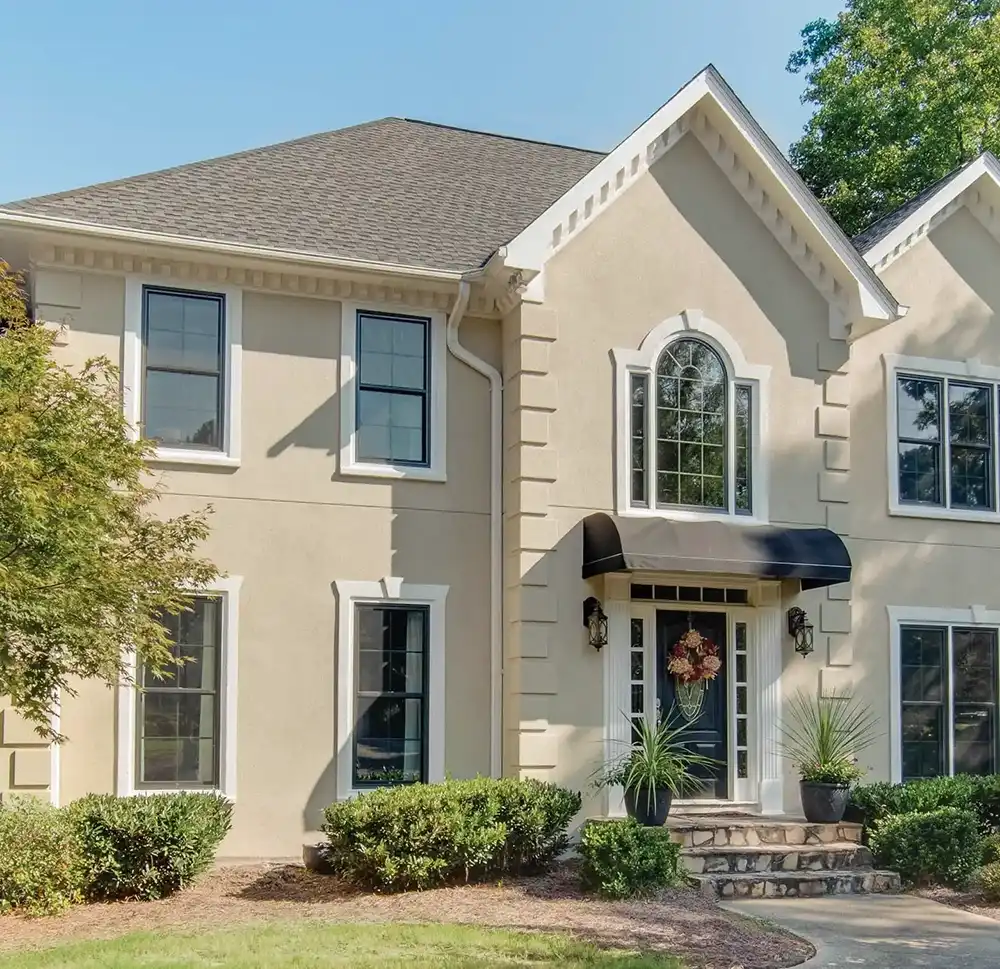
(605, 183)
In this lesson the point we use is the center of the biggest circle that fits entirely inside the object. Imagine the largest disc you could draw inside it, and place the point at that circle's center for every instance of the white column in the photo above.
(767, 677)
(617, 604)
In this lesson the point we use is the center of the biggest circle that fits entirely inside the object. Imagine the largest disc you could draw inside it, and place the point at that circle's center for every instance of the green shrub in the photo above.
(622, 859)
(990, 849)
(147, 847)
(978, 794)
(40, 869)
(989, 881)
(421, 835)
(932, 847)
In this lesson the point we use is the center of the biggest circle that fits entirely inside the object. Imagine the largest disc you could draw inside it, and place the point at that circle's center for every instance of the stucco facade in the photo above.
(693, 229)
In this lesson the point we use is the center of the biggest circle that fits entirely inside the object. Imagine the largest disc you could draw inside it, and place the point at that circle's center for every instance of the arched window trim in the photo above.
(691, 324)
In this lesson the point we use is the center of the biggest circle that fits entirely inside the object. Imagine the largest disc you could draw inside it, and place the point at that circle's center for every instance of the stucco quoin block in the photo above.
(538, 749)
(527, 568)
(835, 617)
(840, 651)
(837, 390)
(538, 463)
(57, 288)
(837, 455)
(838, 519)
(530, 497)
(833, 421)
(533, 533)
(834, 486)
(531, 356)
(539, 321)
(536, 676)
(535, 604)
(18, 732)
(842, 591)
(32, 768)
(835, 681)
(530, 427)
(539, 391)
(833, 356)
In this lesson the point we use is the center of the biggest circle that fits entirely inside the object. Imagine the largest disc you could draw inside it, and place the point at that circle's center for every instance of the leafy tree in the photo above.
(905, 92)
(85, 567)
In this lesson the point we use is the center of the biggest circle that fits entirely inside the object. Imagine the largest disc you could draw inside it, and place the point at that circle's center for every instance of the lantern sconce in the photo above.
(801, 630)
(596, 622)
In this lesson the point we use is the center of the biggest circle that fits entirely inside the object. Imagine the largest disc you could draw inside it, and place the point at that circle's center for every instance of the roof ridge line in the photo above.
(503, 137)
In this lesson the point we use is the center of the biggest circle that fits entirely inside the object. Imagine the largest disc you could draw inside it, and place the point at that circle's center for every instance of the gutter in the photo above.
(496, 519)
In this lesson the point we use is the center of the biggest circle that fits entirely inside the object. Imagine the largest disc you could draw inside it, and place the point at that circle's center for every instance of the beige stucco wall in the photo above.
(290, 526)
(951, 284)
(680, 238)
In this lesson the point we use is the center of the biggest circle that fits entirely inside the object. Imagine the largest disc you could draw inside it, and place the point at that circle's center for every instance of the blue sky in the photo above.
(110, 88)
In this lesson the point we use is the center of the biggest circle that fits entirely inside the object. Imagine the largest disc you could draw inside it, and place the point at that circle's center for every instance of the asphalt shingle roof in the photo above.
(877, 231)
(394, 191)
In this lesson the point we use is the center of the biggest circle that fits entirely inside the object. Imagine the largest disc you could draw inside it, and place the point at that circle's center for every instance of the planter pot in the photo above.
(651, 813)
(823, 803)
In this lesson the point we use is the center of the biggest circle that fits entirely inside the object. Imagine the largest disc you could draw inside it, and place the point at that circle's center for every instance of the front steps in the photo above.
(733, 856)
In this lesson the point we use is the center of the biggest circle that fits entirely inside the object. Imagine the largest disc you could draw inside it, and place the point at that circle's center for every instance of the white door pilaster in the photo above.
(767, 655)
(617, 605)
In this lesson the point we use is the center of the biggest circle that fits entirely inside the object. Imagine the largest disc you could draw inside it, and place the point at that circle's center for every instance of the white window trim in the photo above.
(436, 469)
(350, 594)
(692, 323)
(228, 589)
(972, 369)
(924, 616)
(132, 370)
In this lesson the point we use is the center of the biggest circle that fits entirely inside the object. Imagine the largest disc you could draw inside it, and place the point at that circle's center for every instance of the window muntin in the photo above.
(702, 426)
(393, 389)
(177, 716)
(949, 694)
(184, 355)
(390, 717)
(945, 435)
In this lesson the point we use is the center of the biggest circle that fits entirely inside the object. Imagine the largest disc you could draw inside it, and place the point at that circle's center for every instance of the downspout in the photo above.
(496, 519)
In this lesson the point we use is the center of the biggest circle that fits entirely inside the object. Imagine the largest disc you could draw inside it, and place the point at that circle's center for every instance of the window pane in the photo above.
(923, 741)
(743, 459)
(969, 418)
(390, 427)
(918, 407)
(392, 352)
(691, 405)
(638, 389)
(919, 473)
(969, 414)
(183, 409)
(923, 652)
(184, 331)
(390, 711)
(974, 676)
(970, 477)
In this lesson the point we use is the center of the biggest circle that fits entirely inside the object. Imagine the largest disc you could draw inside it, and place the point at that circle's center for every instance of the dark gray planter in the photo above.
(824, 803)
(649, 812)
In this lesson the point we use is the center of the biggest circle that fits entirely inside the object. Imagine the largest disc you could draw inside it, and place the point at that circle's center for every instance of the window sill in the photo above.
(209, 459)
(944, 514)
(682, 515)
(393, 471)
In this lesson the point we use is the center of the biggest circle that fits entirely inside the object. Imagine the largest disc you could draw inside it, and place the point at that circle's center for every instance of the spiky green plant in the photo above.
(655, 759)
(822, 736)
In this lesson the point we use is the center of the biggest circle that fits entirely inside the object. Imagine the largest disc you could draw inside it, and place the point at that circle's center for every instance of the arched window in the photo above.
(691, 436)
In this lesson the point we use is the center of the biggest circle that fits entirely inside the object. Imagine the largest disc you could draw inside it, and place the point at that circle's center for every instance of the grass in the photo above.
(312, 945)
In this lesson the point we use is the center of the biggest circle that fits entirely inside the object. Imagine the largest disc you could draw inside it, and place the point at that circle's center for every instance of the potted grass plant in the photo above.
(822, 737)
(655, 767)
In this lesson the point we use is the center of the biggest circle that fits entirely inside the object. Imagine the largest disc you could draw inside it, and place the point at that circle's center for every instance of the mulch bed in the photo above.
(679, 921)
(970, 901)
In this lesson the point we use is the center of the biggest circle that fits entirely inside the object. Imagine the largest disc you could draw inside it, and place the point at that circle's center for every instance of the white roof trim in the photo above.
(535, 244)
(923, 219)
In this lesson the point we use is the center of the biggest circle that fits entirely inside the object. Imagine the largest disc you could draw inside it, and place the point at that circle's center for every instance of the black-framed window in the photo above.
(393, 403)
(390, 717)
(183, 335)
(690, 433)
(945, 442)
(177, 716)
(949, 694)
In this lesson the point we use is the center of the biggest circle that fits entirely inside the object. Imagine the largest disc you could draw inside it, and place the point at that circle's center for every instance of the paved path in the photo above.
(883, 931)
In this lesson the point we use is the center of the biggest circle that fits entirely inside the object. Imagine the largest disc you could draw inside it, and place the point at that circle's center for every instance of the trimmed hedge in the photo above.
(147, 847)
(421, 835)
(929, 847)
(40, 870)
(989, 881)
(970, 792)
(622, 859)
(990, 849)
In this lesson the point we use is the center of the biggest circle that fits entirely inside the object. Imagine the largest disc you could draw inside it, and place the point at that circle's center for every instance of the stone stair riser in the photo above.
(805, 859)
(767, 834)
(773, 885)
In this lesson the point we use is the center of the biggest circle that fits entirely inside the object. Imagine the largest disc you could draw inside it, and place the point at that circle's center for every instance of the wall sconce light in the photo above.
(596, 622)
(801, 630)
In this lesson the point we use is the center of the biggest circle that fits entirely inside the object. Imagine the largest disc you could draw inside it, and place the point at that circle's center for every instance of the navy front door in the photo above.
(706, 733)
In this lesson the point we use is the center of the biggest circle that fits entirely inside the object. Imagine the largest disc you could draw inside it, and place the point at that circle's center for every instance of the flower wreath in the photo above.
(694, 658)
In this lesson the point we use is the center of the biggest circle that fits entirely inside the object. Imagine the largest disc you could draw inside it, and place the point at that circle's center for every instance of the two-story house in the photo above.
(456, 397)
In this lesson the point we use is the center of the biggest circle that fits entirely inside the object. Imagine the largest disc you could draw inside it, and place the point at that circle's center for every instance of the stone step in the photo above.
(795, 884)
(836, 855)
(700, 832)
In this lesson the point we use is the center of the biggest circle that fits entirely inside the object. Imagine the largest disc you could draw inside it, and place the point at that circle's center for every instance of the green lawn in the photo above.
(312, 945)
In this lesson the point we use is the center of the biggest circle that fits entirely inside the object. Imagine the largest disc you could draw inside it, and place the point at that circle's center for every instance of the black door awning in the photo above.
(612, 543)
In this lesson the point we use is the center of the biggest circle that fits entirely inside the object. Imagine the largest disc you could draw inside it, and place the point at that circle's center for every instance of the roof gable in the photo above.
(707, 108)
(396, 192)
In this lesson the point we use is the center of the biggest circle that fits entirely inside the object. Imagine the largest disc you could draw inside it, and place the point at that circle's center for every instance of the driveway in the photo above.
(883, 931)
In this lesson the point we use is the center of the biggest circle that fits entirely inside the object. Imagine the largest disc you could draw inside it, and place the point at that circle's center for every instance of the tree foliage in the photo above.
(85, 566)
(905, 92)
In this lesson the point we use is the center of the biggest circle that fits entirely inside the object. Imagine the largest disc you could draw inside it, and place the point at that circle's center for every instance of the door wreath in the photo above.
(694, 660)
